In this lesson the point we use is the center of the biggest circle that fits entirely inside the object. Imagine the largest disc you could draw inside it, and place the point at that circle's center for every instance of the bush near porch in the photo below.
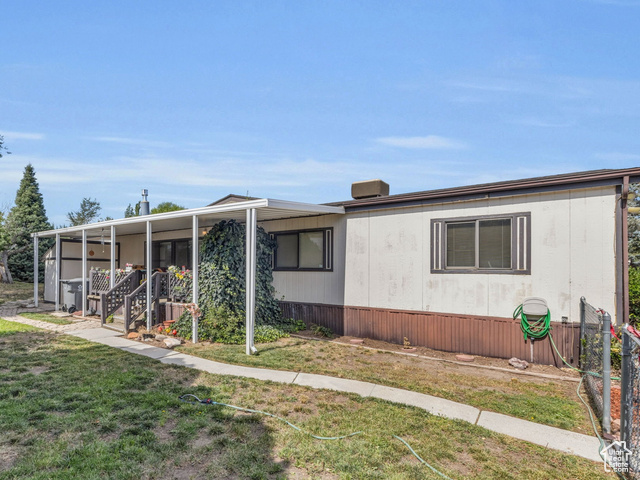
(220, 325)
(222, 289)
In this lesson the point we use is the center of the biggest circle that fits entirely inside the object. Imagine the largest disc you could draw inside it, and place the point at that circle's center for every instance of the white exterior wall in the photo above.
(313, 287)
(572, 246)
(70, 269)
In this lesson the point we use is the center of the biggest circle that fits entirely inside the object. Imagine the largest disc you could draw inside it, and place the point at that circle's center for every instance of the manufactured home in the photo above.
(442, 268)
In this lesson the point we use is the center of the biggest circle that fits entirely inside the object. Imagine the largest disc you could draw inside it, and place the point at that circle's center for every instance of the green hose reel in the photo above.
(535, 318)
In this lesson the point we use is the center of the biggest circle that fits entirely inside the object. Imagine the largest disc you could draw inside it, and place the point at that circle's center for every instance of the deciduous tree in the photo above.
(166, 207)
(5, 273)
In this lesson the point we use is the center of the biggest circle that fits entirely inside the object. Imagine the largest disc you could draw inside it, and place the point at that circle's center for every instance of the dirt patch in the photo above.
(38, 370)
(448, 356)
(8, 457)
(163, 433)
(615, 402)
(292, 472)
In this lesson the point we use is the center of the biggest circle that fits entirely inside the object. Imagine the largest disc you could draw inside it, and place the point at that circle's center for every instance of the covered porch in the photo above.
(139, 285)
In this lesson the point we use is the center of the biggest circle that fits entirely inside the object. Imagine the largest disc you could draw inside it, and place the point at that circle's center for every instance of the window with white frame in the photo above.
(306, 250)
(485, 244)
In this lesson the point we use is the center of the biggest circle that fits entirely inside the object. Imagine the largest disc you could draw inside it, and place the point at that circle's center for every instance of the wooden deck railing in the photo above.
(99, 280)
(131, 293)
(112, 300)
(164, 286)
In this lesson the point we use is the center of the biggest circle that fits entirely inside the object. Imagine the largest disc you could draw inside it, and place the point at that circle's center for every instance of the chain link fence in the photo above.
(591, 353)
(630, 399)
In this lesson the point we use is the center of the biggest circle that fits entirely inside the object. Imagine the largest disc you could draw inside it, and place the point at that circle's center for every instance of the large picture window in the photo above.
(488, 244)
(171, 252)
(303, 250)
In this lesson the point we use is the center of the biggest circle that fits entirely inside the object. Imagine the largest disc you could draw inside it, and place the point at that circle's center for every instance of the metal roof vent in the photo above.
(369, 189)
(144, 204)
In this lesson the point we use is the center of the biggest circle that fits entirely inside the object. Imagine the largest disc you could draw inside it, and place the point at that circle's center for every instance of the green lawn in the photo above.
(73, 409)
(45, 317)
(549, 402)
(8, 328)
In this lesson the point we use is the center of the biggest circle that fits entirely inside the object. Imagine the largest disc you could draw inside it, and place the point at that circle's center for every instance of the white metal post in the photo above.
(112, 264)
(194, 269)
(83, 287)
(149, 275)
(35, 270)
(57, 275)
(250, 280)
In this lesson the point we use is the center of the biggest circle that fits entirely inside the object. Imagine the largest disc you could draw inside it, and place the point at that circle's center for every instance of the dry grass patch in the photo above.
(541, 400)
(11, 292)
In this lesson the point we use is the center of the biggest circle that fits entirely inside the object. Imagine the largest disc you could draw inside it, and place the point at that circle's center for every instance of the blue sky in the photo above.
(296, 100)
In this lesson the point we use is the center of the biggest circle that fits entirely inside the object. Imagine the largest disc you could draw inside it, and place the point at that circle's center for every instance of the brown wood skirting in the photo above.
(172, 311)
(471, 334)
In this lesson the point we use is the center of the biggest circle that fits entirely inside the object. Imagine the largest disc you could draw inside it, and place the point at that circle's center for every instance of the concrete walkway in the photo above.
(550, 437)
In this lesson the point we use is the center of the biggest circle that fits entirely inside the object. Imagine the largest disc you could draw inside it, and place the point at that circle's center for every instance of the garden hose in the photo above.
(539, 329)
(208, 401)
(542, 327)
(535, 330)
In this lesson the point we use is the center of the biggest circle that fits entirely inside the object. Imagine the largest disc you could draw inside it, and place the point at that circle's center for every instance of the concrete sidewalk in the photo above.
(550, 437)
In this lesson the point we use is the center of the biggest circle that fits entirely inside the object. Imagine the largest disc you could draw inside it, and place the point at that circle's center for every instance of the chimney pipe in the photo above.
(144, 204)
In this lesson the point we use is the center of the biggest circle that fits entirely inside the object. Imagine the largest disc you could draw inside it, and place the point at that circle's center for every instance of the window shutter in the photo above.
(328, 249)
(437, 246)
(273, 255)
(522, 243)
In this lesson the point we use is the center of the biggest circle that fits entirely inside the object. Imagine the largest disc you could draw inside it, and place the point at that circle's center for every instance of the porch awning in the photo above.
(266, 209)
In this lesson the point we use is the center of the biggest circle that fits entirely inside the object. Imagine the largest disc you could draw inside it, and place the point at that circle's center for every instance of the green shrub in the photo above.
(291, 325)
(220, 325)
(223, 269)
(222, 289)
(322, 331)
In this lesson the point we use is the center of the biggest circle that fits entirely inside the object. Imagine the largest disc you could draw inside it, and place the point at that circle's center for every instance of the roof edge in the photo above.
(579, 179)
(303, 209)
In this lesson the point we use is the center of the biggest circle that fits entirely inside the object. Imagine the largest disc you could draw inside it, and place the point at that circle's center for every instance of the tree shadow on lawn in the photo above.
(73, 409)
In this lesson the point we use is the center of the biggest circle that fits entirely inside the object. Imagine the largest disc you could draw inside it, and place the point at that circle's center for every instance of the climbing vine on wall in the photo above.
(223, 269)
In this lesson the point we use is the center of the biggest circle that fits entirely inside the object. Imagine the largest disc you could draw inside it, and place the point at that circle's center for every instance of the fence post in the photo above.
(625, 383)
(606, 373)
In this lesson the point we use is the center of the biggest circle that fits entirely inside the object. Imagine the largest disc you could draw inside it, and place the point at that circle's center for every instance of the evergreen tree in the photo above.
(131, 211)
(88, 212)
(3, 147)
(26, 217)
